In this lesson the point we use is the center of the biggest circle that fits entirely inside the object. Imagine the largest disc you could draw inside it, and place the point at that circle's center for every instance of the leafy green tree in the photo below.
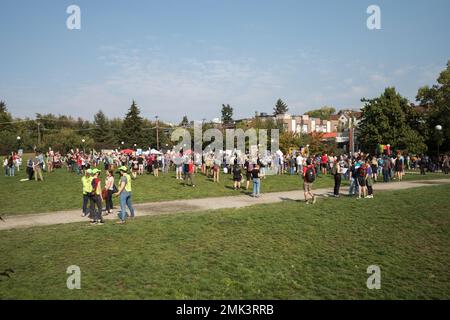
(227, 114)
(280, 107)
(66, 139)
(289, 140)
(435, 102)
(131, 132)
(390, 119)
(323, 113)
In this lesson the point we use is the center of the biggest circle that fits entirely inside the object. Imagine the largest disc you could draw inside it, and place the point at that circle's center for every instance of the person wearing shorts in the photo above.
(361, 180)
(310, 198)
(237, 176)
(399, 167)
(141, 165)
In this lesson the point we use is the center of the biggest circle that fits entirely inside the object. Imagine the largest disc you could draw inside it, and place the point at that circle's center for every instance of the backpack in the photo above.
(94, 184)
(362, 171)
(310, 176)
(250, 167)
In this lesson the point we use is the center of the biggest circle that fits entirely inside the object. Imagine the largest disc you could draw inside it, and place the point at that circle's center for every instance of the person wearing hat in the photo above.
(96, 198)
(86, 182)
(125, 195)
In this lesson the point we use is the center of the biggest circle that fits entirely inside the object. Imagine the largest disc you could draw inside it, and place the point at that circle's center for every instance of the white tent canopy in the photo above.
(154, 151)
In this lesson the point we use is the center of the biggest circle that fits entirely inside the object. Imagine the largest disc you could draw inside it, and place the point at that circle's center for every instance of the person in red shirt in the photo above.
(79, 162)
(323, 163)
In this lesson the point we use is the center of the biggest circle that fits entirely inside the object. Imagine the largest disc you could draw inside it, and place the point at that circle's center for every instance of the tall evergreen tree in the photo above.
(280, 107)
(184, 122)
(227, 114)
(102, 133)
(131, 132)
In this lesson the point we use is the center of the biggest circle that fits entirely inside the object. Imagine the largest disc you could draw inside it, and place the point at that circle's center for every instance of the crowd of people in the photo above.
(361, 170)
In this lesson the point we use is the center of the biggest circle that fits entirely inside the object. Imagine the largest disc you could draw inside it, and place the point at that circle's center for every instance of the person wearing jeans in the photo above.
(293, 164)
(30, 171)
(256, 181)
(386, 169)
(125, 195)
(5, 165)
(11, 166)
(353, 184)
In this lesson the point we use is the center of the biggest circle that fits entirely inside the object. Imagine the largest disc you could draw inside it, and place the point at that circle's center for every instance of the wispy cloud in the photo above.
(197, 86)
(187, 86)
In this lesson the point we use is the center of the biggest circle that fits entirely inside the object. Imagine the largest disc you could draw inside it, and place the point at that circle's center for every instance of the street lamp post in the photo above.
(84, 145)
(18, 143)
(438, 130)
(157, 133)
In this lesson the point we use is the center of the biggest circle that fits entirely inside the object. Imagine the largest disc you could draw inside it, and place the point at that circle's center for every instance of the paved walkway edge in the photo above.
(191, 205)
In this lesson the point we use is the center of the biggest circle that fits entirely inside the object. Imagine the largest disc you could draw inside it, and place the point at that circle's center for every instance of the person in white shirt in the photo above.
(299, 160)
(5, 165)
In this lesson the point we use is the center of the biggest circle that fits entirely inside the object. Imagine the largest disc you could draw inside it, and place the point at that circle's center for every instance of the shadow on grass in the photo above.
(291, 200)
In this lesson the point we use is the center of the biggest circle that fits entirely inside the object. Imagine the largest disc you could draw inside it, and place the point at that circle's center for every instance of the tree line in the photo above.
(65, 132)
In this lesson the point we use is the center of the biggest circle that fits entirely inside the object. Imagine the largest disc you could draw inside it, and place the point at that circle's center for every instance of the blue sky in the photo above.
(189, 57)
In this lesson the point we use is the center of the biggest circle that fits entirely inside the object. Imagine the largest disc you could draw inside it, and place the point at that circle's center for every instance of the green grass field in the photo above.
(62, 190)
(279, 251)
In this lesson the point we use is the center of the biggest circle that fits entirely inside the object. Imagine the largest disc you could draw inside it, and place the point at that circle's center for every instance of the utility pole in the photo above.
(39, 133)
(351, 134)
(157, 133)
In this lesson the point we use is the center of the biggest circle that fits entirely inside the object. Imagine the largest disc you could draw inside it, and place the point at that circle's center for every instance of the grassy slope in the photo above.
(62, 190)
(281, 251)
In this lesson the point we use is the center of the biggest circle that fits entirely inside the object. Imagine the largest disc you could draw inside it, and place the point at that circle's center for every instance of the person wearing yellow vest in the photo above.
(125, 195)
(86, 182)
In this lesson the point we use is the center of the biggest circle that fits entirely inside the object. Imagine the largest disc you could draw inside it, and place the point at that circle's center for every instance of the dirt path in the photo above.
(180, 206)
